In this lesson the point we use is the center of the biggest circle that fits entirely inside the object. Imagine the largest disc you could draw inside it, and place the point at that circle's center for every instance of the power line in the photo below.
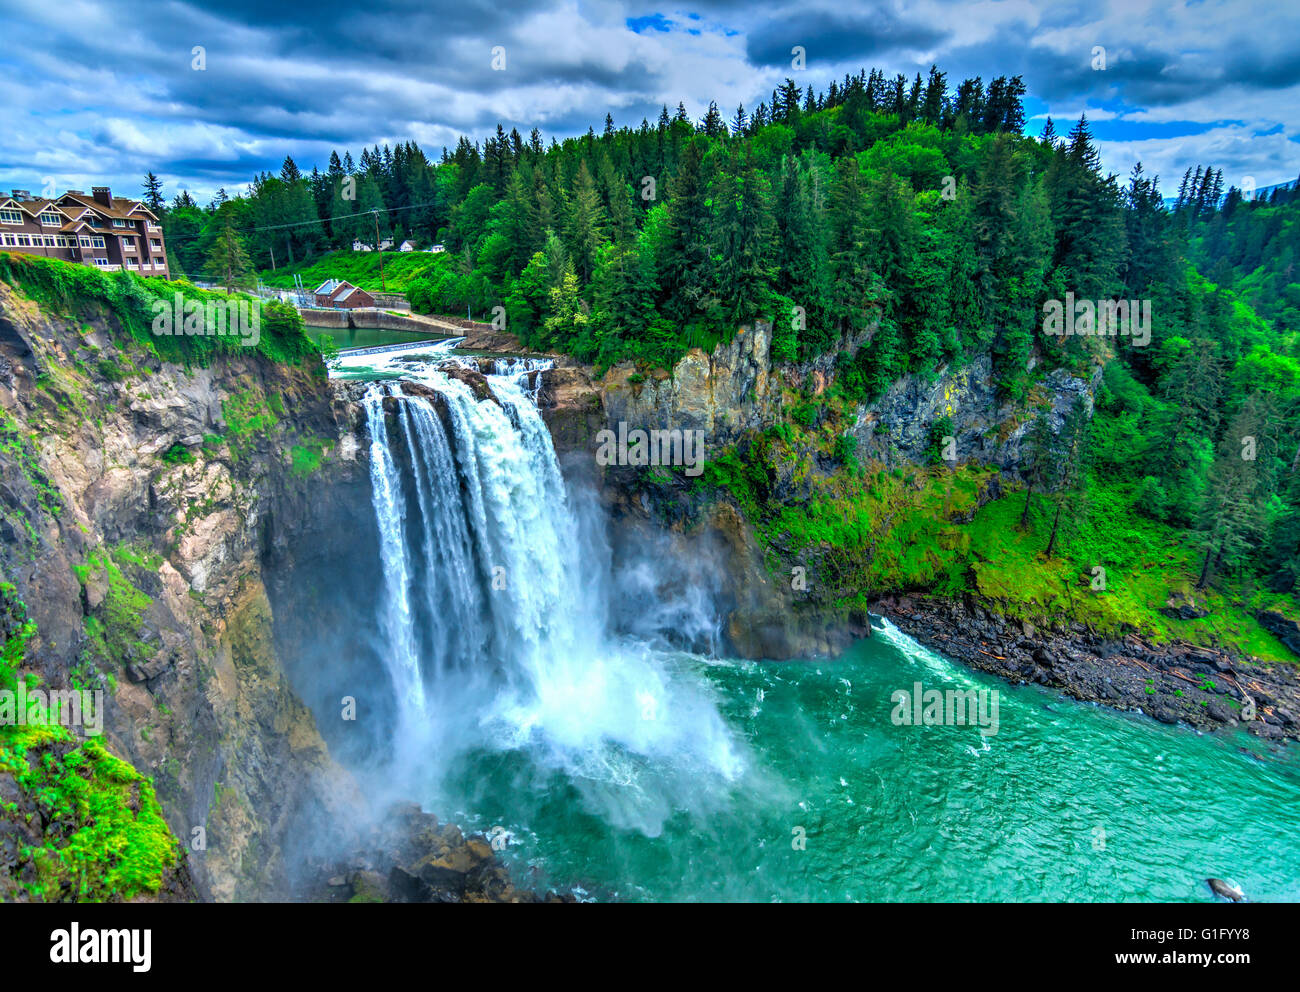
(304, 223)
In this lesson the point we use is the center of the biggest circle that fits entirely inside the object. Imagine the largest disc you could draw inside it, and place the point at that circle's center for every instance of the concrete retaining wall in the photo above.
(374, 317)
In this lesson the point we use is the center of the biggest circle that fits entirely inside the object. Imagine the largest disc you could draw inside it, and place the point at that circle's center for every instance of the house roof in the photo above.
(122, 208)
(35, 207)
(328, 286)
(352, 292)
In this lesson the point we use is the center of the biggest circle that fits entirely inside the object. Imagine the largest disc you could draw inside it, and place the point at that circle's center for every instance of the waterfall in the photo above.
(497, 616)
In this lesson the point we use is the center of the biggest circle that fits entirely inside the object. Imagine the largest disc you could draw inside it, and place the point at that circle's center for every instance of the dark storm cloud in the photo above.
(836, 37)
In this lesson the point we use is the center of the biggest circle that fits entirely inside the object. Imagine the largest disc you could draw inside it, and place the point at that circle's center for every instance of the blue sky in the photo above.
(101, 91)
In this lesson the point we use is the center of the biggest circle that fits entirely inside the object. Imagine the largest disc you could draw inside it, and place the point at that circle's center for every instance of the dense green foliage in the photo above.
(82, 290)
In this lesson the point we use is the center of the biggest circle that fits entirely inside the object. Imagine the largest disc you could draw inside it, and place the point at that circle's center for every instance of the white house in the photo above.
(407, 245)
(437, 248)
(385, 245)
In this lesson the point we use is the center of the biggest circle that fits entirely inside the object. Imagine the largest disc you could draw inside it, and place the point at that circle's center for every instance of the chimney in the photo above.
(102, 196)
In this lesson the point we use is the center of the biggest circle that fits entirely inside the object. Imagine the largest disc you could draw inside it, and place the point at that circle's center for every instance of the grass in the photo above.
(361, 268)
(1145, 562)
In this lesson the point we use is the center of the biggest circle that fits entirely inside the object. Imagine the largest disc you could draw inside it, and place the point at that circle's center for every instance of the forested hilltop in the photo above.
(886, 227)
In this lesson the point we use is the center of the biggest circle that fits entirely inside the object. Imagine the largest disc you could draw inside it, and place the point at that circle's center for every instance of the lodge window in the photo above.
(11, 217)
(52, 219)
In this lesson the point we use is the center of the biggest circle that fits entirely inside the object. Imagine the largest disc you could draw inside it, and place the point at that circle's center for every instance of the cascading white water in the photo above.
(497, 609)
(390, 510)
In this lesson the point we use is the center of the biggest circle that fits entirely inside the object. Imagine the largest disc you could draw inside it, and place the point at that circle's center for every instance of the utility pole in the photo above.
(379, 248)
(271, 245)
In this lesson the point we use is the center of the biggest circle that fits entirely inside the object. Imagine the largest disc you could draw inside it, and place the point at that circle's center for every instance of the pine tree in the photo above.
(742, 238)
(1232, 515)
(788, 100)
(227, 261)
(685, 264)
(712, 125)
(936, 97)
(852, 284)
(585, 227)
(1072, 449)
(153, 198)
(801, 264)
(370, 206)
(739, 122)
(1039, 460)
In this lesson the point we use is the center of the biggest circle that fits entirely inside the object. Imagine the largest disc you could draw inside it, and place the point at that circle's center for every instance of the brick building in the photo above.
(101, 230)
(339, 294)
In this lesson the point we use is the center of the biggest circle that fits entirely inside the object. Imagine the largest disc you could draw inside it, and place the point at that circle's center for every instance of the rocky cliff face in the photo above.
(896, 428)
(140, 503)
(724, 394)
(736, 392)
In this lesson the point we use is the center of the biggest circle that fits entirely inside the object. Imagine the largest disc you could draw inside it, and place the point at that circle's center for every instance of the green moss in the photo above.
(21, 448)
(110, 370)
(177, 454)
(249, 415)
(307, 458)
(104, 836)
(870, 532)
(114, 627)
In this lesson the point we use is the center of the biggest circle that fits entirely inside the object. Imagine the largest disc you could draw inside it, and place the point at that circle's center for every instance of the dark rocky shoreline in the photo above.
(1200, 687)
(411, 857)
